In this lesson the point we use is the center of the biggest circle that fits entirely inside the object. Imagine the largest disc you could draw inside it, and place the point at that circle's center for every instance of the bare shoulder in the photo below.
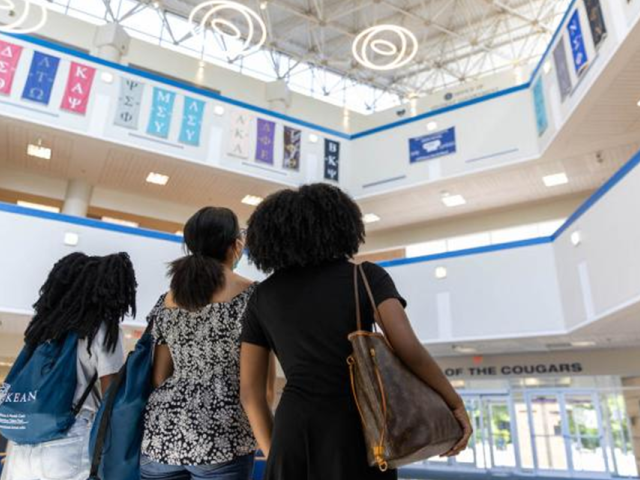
(169, 302)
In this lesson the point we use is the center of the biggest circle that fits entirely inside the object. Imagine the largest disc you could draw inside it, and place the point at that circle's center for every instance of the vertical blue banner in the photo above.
(331, 160)
(161, 113)
(42, 75)
(192, 121)
(578, 48)
(541, 108)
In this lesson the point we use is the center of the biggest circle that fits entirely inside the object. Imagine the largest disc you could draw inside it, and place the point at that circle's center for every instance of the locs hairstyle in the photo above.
(80, 294)
(312, 225)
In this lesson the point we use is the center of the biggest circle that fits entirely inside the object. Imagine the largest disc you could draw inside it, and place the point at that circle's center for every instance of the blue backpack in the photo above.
(116, 435)
(36, 400)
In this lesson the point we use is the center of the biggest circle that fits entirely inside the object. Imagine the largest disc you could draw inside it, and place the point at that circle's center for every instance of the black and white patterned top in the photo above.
(195, 417)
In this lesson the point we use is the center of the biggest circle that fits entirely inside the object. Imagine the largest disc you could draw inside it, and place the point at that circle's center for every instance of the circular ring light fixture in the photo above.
(396, 54)
(210, 18)
(20, 23)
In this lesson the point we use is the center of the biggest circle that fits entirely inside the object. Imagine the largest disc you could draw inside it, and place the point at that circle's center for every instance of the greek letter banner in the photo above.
(240, 136)
(9, 58)
(128, 110)
(576, 40)
(562, 69)
(292, 143)
(596, 21)
(331, 160)
(76, 95)
(192, 121)
(42, 75)
(540, 106)
(265, 141)
(161, 112)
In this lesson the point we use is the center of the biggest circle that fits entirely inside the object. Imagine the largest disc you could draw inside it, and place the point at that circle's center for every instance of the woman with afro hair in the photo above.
(304, 312)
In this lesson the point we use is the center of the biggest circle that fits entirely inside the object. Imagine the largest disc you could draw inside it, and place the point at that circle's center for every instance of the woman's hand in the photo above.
(467, 430)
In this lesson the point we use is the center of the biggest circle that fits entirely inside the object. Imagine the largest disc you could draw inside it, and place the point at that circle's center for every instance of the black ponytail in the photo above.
(208, 235)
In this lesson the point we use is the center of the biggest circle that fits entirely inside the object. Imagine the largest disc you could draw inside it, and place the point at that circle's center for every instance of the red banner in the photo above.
(76, 95)
(9, 57)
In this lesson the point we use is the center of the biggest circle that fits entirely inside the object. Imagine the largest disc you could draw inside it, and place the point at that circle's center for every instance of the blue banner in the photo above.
(192, 121)
(578, 48)
(432, 146)
(331, 160)
(541, 108)
(42, 75)
(161, 113)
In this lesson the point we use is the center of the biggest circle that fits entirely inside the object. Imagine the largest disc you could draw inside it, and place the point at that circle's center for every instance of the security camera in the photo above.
(401, 113)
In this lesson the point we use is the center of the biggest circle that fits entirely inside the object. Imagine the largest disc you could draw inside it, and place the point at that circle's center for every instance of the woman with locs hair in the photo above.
(88, 296)
(304, 313)
(195, 427)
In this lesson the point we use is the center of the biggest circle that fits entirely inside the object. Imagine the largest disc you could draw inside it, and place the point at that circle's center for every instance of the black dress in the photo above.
(305, 315)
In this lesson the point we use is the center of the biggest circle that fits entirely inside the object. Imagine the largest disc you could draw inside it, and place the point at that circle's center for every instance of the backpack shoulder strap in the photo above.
(85, 394)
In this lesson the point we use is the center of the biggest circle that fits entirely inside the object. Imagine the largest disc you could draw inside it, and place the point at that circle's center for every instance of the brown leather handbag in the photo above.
(404, 420)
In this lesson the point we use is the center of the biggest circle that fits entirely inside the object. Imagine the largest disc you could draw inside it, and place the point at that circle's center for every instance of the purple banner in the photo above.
(265, 141)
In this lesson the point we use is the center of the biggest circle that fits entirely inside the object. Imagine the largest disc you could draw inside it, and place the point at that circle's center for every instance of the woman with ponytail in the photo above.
(195, 427)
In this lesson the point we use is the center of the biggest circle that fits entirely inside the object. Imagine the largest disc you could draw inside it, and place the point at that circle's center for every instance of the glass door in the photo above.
(585, 433)
(547, 437)
(499, 429)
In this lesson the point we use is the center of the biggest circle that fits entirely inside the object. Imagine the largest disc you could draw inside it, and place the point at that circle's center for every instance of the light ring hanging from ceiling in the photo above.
(398, 53)
(17, 25)
(210, 18)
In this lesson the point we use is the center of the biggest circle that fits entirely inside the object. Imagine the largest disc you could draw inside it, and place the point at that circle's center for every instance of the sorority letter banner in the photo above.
(128, 110)
(541, 109)
(9, 58)
(576, 40)
(292, 143)
(42, 75)
(596, 21)
(562, 69)
(192, 121)
(432, 146)
(240, 136)
(161, 112)
(331, 160)
(78, 90)
(265, 141)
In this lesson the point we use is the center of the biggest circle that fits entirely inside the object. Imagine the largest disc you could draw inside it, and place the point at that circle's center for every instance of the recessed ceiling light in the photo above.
(39, 151)
(576, 238)
(38, 206)
(441, 273)
(432, 126)
(107, 77)
(157, 178)
(313, 138)
(218, 110)
(121, 222)
(464, 349)
(71, 239)
(263, 5)
(639, 103)
(555, 179)
(453, 200)
(583, 344)
(370, 218)
(252, 200)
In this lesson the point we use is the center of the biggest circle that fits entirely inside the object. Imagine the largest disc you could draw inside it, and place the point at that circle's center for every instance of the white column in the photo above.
(111, 42)
(77, 198)
(278, 96)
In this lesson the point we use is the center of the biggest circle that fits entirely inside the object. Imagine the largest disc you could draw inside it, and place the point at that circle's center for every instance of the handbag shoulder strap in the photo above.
(87, 391)
(358, 268)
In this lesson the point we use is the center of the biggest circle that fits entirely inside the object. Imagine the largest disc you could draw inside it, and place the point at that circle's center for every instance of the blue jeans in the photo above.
(239, 469)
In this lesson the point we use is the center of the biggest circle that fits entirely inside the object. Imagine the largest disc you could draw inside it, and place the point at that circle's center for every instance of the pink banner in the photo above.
(76, 95)
(9, 57)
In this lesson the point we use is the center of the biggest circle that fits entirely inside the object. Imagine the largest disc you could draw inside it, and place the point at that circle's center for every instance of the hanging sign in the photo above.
(129, 101)
(9, 58)
(240, 136)
(540, 107)
(78, 90)
(265, 141)
(192, 121)
(331, 160)
(42, 75)
(161, 112)
(562, 69)
(434, 145)
(576, 40)
(596, 21)
(292, 144)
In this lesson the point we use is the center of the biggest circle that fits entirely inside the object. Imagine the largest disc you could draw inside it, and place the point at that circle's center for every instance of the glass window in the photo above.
(469, 241)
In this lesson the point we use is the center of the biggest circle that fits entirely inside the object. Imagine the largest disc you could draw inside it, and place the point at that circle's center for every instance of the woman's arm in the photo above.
(254, 373)
(409, 349)
(105, 382)
(162, 365)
